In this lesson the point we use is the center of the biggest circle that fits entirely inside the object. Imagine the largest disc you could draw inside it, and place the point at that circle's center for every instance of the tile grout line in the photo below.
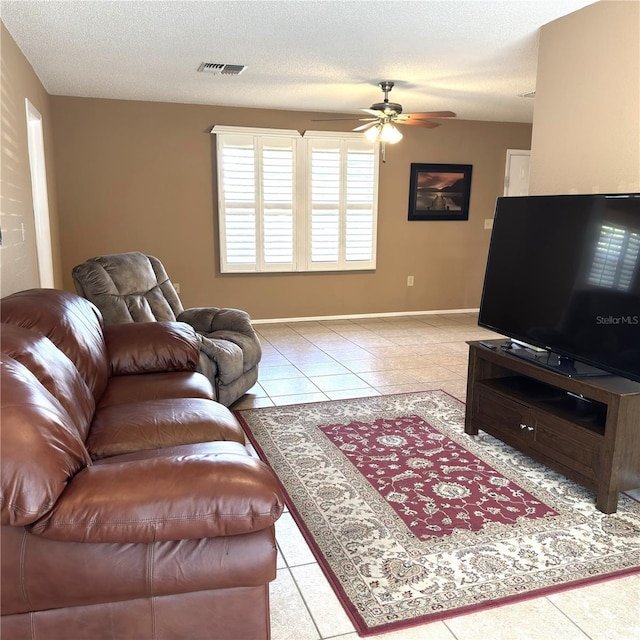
(575, 624)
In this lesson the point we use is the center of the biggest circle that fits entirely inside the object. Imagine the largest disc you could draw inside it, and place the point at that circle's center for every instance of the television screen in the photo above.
(563, 274)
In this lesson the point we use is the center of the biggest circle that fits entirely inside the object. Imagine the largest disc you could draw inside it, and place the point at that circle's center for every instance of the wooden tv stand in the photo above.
(588, 429)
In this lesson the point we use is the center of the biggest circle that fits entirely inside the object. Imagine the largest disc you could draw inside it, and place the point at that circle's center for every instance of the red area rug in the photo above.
(434, 485)
(413, 521)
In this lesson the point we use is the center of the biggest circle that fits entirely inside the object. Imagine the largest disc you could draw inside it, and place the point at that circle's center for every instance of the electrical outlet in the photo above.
(488, 223)
(176, 286)
(409, 281)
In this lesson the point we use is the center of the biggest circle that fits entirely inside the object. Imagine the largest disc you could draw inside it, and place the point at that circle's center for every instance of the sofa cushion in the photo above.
(41, 449)
(54, 371)
(196, 491)
(72, 323)
(154, 424)
(156, 386)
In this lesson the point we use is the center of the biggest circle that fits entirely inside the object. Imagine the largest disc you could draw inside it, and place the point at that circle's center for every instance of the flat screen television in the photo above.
(563, 281)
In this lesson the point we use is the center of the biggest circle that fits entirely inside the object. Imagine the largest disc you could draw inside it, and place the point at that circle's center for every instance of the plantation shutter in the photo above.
(326, 187)
(342, 202)
(239, 202)
(292, 203)
(360, 204)
(256, 178)
(278, 203)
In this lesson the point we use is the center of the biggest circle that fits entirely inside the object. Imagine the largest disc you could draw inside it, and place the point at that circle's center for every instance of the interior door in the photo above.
(516, 179)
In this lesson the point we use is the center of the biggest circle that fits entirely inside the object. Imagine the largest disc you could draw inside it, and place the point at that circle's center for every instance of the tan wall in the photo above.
(140, 176)
(586, 125)
(18, 257)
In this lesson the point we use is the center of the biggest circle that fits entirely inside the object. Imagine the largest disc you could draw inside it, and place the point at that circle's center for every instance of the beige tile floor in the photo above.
(311, 361)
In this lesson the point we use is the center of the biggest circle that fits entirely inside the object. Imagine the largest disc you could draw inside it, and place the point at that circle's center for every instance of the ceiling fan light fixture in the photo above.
(384, 133)
(372, 133)
(390, 134)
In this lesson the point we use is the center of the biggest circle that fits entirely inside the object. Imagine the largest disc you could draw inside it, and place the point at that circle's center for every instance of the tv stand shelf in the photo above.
(588, 429)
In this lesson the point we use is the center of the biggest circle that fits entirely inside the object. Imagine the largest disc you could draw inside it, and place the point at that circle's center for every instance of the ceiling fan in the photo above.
(385, 115)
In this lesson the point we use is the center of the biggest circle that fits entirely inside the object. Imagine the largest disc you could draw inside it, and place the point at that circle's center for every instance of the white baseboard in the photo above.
(356, 316)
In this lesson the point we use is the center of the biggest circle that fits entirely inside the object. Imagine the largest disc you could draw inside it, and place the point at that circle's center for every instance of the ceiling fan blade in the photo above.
(427, 124)
(334, 119)
(371, 112)
(432, 114)
(362, 127)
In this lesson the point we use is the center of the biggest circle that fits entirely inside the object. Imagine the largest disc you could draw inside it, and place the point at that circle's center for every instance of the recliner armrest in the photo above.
(207, 320)
(178, 494)
(147, 347)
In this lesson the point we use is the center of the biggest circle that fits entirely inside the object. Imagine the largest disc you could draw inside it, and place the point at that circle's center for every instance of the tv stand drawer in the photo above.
(500, 416)
(554, 441)
(573, 449)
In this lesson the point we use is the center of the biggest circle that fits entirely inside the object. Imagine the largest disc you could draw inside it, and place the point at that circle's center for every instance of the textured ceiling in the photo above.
(474, 58)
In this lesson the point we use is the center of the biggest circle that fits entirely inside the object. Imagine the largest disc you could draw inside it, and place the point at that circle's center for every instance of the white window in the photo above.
(288, 202)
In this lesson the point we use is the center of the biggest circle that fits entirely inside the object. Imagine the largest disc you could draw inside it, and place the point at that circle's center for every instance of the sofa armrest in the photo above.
(178, 496)
(146, 347)
(207, 320)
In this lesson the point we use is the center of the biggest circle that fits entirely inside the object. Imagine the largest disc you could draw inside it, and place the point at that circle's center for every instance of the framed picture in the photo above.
(439, 191)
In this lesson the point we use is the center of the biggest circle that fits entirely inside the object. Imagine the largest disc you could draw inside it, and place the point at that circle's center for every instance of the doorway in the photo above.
(516, 179)
(35, 139)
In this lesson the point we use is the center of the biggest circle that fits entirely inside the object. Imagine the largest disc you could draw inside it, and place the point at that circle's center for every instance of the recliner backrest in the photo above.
(128, 287)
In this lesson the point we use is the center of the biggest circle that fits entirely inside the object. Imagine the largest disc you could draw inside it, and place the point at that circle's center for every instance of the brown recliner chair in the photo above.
(134, 287)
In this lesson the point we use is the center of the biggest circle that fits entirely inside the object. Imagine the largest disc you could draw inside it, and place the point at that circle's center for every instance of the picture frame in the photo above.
(439, 191)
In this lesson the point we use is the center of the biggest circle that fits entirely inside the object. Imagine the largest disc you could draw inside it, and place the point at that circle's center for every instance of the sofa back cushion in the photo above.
(128, 287)
(40, 449)
(73, 324)
(53, 370)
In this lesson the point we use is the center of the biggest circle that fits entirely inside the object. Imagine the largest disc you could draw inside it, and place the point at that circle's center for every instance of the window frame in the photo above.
(301, 205)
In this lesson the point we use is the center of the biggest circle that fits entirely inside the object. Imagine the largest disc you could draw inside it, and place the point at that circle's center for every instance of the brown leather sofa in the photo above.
(130, 506)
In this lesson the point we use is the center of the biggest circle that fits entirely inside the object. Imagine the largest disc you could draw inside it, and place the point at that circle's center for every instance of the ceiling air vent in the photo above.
(224, 69)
